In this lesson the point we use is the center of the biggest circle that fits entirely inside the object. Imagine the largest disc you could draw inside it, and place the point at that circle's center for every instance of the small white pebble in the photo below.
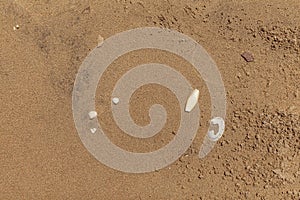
(115, 100)
(16, 27)
(93, 130)
(92, 114)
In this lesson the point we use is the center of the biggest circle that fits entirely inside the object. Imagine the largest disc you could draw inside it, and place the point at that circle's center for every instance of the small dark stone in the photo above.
(248, 56)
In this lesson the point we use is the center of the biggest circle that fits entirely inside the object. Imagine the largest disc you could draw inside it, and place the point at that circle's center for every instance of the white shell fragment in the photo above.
(16, 27)
(192, 101)
(92, 114)
(93, 130)
(100, 41)
(221, 125)
(115, 100)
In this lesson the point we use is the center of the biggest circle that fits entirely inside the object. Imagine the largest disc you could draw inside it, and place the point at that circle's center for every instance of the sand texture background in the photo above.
(41, 155)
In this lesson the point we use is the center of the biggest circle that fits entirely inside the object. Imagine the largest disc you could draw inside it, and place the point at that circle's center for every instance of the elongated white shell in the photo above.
(192, 101)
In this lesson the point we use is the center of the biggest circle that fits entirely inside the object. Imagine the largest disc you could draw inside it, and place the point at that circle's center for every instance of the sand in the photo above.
(43, 44)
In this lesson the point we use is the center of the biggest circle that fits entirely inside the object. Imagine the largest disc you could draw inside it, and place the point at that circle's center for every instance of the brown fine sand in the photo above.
(41, 155)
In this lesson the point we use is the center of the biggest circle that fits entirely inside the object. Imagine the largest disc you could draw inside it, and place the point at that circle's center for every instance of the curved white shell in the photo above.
(221, 124)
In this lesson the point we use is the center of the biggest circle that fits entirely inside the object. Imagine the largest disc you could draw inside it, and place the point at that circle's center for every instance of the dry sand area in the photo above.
(43, 44)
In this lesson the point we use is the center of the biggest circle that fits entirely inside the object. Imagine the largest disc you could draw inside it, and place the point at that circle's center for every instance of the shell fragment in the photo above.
(93, 130)
(92, 115)
(192, 101)
(115, 100)
(16, 27)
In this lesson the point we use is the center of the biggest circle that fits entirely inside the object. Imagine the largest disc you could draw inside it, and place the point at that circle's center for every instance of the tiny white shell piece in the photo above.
(92, 114)
(16, 27)
(221, 125)
(192, 101)
(93, 130)
(115, 100)
(100, 40)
